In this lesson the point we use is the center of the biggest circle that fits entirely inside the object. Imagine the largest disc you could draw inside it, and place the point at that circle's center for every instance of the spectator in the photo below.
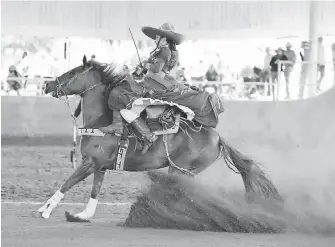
(267, 70)
(212, 74)
(280, 56)
(93, 57)
(321, 62)
(292, 58)
(248, 76)
(13, 84)
(22, 67)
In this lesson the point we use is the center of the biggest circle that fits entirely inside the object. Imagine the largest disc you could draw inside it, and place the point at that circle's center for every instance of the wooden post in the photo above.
(304, 68)
(333, 59)
(313, 37)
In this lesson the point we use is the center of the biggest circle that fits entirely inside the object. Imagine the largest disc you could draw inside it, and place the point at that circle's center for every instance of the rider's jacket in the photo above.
(162, 61)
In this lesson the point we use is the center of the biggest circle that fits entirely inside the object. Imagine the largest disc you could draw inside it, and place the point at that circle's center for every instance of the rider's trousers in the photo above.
(133, 113)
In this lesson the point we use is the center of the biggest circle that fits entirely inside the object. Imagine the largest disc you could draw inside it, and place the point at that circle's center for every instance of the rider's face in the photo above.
(157, 40)
(160, 40)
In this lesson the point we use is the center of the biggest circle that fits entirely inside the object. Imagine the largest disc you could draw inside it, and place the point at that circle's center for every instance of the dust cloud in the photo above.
(177, 202)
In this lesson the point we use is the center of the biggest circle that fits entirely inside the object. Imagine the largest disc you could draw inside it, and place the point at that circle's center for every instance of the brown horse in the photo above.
(189, 151)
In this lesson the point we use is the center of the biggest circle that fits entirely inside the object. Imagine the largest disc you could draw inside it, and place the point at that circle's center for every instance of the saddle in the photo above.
(161, 119)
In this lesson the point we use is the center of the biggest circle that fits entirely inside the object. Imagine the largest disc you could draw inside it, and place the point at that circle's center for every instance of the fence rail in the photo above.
(233, 89)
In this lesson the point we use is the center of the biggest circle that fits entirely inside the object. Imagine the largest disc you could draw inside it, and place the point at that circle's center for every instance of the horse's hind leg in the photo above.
(91, 206)
(83, 171)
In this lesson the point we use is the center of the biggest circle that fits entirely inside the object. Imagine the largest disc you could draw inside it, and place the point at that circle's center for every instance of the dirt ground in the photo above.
(22, 226)
(34, 173)
(39, 172)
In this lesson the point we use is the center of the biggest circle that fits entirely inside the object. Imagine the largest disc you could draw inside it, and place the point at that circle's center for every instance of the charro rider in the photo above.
(158, 84)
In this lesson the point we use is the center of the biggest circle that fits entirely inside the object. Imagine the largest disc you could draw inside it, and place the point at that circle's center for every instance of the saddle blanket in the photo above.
(151, 102)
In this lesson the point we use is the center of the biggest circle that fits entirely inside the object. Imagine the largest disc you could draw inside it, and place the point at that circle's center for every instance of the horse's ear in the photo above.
(84, 60)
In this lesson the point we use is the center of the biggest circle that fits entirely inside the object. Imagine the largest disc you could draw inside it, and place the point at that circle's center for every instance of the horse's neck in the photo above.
(94, 106)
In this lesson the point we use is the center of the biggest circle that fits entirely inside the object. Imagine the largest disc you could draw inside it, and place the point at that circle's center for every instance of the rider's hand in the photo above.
(147, 66)
(138, 70)
(150, 60)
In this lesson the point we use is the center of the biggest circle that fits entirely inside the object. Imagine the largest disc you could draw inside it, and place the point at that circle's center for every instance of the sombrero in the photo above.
(166, 30)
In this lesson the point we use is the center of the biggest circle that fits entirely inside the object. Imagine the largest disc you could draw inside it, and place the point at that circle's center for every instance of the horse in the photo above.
(188, 151)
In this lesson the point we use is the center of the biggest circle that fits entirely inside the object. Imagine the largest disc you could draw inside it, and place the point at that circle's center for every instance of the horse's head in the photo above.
(76, 81)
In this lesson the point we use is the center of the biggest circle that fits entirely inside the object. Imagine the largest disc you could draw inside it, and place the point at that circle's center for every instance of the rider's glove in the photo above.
(195, 88)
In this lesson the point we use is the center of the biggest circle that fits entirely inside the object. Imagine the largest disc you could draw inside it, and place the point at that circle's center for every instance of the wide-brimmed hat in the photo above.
(166, 30)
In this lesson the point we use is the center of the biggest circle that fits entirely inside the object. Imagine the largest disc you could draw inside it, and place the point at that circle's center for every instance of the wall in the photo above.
(35, 121)
(286, 126)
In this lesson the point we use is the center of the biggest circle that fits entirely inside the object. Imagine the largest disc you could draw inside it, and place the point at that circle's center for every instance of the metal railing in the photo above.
(234, 89)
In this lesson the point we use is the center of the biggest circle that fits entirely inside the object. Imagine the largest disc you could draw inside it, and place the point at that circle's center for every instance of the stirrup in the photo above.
(112, 130)
(148, 144)
(146, 147)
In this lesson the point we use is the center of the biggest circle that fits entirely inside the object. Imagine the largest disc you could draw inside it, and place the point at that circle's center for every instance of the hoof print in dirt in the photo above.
(71, 218)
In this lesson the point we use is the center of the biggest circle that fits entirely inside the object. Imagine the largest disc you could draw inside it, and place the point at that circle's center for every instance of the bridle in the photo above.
(60, 90)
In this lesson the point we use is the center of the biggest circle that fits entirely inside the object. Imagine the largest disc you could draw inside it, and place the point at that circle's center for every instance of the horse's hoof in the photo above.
(71, 218)
(45, 215)
(40, 215)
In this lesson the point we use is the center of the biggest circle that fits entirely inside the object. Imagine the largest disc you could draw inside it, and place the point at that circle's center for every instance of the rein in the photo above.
(59, 89)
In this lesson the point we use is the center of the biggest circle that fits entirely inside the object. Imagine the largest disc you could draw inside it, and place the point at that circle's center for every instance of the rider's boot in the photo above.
(117, 125)
(148, 137)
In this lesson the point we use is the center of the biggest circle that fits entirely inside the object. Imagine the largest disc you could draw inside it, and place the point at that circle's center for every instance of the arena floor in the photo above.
(39, 171)
(21, 226)
(293, 141)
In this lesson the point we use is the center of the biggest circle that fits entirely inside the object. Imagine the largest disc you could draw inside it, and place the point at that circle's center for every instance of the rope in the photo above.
(183, 170)
(197, 129)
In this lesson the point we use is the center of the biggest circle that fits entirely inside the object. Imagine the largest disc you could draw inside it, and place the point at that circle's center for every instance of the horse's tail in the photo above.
(255, 180)
(78, 110)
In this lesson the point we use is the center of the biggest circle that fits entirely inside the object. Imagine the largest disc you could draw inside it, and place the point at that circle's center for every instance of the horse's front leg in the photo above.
(83, 171)
(91, 206)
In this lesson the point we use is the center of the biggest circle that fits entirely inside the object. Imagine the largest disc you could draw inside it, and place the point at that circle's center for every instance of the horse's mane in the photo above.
(111, 73)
